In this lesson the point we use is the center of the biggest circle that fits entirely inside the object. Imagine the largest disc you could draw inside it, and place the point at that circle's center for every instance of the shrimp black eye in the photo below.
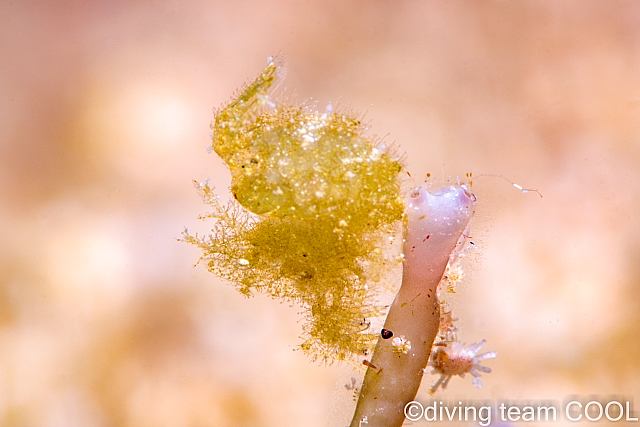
(386, 334)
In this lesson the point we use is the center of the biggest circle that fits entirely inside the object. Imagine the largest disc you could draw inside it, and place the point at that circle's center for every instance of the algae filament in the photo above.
(316, 202)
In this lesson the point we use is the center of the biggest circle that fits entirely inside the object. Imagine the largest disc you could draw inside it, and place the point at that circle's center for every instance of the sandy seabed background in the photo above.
(104, 121)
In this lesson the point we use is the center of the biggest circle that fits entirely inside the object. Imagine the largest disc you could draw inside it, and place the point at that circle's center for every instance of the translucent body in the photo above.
(323, 197)
(453, 358)
(289, 161)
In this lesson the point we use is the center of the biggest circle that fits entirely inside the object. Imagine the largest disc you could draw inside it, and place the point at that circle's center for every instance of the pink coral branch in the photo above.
(435, 223)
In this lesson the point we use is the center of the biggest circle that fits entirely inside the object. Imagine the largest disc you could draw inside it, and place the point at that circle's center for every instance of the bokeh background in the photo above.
(104, 121)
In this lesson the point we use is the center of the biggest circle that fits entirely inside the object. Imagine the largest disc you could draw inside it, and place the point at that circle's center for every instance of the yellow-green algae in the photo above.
(321, 198)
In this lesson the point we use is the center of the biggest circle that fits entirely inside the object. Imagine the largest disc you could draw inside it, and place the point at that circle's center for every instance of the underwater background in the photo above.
(106, 107)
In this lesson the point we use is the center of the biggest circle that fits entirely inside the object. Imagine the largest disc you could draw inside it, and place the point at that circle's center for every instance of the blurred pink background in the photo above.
(105, 111)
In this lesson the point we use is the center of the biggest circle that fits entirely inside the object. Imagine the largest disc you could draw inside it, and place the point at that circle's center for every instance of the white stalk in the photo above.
(435, 223)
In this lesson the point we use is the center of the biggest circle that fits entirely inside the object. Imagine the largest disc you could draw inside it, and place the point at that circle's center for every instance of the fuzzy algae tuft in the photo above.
(314, 201)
